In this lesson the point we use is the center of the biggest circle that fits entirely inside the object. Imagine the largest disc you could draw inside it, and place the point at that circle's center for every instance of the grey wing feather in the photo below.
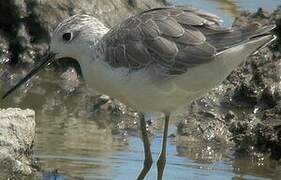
(175, 38)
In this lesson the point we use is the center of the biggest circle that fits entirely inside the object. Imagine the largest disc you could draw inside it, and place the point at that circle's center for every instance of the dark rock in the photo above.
(261, 14)
(169, 2)
(230, 115)
(4, 49)
(70, 80)
(115, 113)
(133, 3)
(268, 97)
(207, 125)
(245, 95)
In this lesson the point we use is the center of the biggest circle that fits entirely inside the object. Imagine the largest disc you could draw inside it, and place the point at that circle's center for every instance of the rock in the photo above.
(205, 124)
(112, 112)
(4, 58)
(17, 131)
(70, 80)
(4, 49)
(230, 115)
(169, 2)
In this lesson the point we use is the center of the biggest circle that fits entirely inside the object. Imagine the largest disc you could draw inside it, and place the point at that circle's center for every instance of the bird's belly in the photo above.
(140, 91)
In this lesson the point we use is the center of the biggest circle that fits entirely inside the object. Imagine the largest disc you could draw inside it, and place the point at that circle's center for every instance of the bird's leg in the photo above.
(162, 158)
(148, 158)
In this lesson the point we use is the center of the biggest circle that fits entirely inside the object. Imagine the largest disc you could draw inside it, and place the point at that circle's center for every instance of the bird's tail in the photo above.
(255, 40)
(237, 36)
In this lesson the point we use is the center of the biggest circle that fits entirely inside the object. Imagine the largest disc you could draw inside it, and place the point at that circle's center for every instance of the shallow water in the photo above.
(77, 146)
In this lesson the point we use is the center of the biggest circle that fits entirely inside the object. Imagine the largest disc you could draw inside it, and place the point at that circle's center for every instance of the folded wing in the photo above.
(175, 38)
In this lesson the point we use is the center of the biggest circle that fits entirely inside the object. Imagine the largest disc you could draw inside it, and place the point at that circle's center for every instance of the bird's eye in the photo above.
(67, 36)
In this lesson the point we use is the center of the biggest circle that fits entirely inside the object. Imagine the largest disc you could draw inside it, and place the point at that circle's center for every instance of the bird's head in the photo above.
(75, 35)
(72, 38)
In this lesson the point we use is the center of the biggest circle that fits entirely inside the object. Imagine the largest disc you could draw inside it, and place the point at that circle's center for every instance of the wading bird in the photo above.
(157, 60)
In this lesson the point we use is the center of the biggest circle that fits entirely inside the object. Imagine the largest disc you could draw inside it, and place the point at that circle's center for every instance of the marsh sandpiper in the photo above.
(157, 60)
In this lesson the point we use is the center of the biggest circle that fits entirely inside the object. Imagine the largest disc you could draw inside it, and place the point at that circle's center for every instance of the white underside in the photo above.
(145, 92)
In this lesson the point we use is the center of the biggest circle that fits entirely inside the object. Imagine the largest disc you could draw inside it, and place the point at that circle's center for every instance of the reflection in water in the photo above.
(75, 146)
(258, 165)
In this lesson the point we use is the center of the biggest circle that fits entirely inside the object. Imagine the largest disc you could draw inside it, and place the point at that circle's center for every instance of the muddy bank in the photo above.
(17, 129)
(246, 108)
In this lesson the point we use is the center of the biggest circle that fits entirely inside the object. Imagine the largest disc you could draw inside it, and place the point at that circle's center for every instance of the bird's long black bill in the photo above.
(44, 62)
